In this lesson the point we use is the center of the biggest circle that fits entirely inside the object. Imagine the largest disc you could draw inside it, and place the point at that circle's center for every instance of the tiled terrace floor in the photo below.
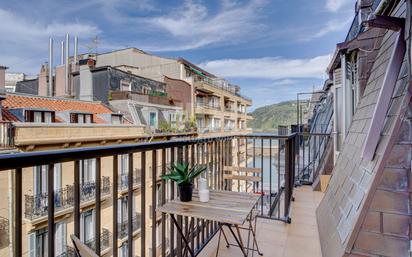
(277, 239)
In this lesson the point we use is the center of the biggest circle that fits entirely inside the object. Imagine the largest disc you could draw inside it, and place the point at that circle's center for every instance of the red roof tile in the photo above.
(13, 101)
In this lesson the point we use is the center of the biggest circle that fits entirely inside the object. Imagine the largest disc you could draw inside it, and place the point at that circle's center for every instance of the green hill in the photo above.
(268, 118)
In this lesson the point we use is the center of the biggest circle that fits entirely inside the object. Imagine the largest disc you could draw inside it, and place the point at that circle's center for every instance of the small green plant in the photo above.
(182, 175)
(165, 127)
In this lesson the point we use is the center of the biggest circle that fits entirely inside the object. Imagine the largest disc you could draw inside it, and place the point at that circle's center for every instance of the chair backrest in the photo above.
(251, 176)
(81, 249)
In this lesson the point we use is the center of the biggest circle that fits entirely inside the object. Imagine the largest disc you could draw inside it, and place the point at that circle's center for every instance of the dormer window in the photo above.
(40, 116)
(81, 118)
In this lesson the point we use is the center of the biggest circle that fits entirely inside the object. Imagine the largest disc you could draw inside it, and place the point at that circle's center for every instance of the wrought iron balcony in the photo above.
(123, 180)
(122, 226)
(36, 206)
(70, 252)
(105, 239)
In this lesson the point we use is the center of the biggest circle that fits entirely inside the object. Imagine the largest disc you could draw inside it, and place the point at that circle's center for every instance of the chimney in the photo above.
(2, 86)
(86, 79)
(59, 81)
(76, 49)
(50, 84)
(43, 78)
(62, 53)
(67, 67)
(2, 79)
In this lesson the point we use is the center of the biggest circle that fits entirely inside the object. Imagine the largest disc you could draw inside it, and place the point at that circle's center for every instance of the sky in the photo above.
(272, 49)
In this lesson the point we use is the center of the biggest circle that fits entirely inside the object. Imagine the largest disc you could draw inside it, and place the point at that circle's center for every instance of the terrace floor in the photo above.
(277, 239)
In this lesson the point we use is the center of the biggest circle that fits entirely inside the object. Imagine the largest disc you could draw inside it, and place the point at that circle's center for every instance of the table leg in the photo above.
(238, 240)
(179, 230)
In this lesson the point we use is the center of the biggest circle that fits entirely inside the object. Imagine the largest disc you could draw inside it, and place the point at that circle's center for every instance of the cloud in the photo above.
(27, 39)
(194, 26)
(335, 5)
(21, 28)
(273, 68)
(330, 26)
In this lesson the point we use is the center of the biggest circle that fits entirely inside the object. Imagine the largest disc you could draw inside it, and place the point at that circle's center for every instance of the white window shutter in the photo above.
(57, 176)
(32, 245)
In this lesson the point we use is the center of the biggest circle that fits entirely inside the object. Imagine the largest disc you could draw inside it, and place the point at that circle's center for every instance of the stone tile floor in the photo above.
(277, 239)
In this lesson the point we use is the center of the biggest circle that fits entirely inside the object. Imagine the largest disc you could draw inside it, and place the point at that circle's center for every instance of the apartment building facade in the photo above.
(51, 123)
(216, 104)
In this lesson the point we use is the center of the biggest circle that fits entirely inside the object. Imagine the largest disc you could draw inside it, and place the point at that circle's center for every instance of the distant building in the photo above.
(216, 104)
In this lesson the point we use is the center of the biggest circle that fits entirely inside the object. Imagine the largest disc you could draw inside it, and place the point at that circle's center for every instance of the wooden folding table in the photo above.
(227, 208)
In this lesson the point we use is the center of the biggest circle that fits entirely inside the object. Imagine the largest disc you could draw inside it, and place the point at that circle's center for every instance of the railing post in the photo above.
(153, 210)
(17, 249)
(50, 209)
(288, 176)
(77, 199)
(130, 207)
(114, 198)
(143, 205)
(98, 206)
(163, 201)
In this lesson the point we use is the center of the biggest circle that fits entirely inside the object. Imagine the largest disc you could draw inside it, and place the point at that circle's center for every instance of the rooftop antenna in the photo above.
(62, 52)
(76, 49)
(93, 46)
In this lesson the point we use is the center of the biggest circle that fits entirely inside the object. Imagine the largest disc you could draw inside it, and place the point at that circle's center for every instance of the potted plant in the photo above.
(184, 177)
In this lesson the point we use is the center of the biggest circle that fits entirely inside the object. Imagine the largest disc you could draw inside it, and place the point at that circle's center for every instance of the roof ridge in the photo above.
(52, 98)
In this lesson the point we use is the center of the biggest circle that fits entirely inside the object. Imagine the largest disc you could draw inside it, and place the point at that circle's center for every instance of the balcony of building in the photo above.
(158, 98)
(105, 242)
(123, 226)
(221, 87)
(282, 223)
(36, 206)
(38, 136)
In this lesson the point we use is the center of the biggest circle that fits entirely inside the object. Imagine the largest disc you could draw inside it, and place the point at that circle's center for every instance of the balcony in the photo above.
(70, 252)
(122, 226)
(275, 239)
(105, 241)
(123, 181)
(271, 153)
(37, 206)
(29, 136)
(153, 99)
(208, 105)
(209, 85)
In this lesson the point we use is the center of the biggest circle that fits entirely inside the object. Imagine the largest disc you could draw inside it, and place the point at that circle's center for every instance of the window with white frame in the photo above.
(87, 220)
(87, 171)
(38, 241)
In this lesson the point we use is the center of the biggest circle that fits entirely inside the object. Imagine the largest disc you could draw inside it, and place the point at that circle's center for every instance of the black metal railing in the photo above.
(122, 231)
(312, 151)
(70, 252)
(105, 239)
(36, 206)
(276, 187)
(123, 180)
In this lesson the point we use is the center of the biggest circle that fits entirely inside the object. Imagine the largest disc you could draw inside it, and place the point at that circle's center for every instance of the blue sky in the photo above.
(272, 49)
